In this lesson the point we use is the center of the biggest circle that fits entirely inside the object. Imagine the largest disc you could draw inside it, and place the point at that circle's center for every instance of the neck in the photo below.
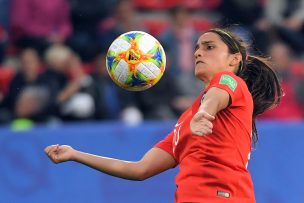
(206, 81)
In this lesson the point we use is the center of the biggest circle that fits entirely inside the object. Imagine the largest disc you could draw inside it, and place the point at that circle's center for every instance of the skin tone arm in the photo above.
(68, 91)
(77, 73)
(153, 162)
(215, 100)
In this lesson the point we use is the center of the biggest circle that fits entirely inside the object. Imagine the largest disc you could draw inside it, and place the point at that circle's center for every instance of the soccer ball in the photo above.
(136, 61)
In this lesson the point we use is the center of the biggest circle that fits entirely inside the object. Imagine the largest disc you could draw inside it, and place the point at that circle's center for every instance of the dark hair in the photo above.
(256, 71)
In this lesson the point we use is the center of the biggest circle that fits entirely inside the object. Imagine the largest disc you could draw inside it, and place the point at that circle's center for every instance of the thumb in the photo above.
(206, 115)
(198, 116)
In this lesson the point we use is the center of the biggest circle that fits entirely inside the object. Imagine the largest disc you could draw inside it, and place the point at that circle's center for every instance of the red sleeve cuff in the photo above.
(166, 147)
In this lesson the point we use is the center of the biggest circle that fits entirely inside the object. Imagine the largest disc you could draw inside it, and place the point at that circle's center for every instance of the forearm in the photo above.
(214, 101)
(211, 106)
(69, 91)
(114, 167)
(153, 162)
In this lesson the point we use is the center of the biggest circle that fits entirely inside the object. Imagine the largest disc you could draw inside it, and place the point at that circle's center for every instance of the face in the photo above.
(212, 56)
(30, 61)
(125, 10)
(280, 55)
(26, 105)
(182, 18)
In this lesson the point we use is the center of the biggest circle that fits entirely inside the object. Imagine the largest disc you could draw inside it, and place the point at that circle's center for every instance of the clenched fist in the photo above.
(60, 153)
(201, 123)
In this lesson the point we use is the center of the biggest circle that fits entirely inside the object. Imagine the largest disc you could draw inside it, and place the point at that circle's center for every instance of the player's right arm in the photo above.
(152, 163)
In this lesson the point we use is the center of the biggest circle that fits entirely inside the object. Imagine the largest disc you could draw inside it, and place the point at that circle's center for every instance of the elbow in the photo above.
(142, 175)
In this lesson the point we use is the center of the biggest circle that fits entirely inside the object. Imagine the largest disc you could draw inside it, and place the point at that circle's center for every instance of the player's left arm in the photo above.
(215, 100)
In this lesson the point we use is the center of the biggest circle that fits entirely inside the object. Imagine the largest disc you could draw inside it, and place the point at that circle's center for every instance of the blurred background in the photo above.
(54, 88)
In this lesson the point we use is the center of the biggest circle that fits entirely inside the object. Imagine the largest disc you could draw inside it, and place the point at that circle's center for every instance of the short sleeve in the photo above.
(229, 82)
(166, 144)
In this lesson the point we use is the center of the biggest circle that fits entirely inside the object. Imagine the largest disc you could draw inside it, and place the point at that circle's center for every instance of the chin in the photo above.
(202, 74)
(199, 73)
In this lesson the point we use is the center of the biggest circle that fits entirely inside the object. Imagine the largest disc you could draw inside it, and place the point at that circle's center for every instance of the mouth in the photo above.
(197, 62)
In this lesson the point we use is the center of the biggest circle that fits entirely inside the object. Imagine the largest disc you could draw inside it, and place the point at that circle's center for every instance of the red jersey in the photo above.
(213, 168)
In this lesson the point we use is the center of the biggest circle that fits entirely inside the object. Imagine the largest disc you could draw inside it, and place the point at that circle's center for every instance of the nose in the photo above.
(197, 53)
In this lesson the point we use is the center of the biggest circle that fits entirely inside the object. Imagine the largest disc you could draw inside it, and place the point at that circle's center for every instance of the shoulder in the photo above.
(228, 79)
(234, 85)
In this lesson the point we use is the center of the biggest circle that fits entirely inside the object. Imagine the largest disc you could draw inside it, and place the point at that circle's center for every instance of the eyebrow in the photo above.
(202, 43)
(207, 42)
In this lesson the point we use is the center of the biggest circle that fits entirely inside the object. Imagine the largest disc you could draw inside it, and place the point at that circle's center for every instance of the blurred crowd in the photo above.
(52, 55)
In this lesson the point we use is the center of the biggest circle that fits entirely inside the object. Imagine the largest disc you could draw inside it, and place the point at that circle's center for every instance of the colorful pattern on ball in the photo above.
(136, 61)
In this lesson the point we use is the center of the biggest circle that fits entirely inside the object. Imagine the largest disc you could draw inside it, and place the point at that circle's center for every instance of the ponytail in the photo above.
(263, 85)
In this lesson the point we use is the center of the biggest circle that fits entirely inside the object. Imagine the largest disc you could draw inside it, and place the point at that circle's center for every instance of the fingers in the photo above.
(52, 152)
(201, 128)
(54, 158)
(202, 131)
(201, 124)
(207, 116)
(203, 114)
(51, 148)
(208, 124)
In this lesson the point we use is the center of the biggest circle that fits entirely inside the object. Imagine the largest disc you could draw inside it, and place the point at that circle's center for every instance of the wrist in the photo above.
(209, 107)
(74, 155)
(202, 109)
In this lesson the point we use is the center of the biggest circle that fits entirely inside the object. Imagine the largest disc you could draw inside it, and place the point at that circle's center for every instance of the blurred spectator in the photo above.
(37, 24)
(54, 78)
(287, 17)
(26, 76)
(70, 99)
(124, 19)
(245, 13)
(82, 104)
(31, 104)
(179, 41)
(290, 108)
(85, 18)
(242, 18)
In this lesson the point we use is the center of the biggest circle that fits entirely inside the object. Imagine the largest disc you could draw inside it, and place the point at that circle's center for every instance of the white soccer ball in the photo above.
(136, 61)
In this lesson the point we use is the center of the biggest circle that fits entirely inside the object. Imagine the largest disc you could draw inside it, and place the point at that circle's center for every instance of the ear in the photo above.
(235, 60)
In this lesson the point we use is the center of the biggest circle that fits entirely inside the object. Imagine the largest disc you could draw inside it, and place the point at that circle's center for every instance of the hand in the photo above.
(201, 123)
(293, 23)
(60, 153)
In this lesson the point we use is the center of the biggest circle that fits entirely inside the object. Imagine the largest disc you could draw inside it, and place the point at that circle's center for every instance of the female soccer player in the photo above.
(212, 140)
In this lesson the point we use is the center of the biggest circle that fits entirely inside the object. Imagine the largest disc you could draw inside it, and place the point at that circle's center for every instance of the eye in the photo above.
(209, 47)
